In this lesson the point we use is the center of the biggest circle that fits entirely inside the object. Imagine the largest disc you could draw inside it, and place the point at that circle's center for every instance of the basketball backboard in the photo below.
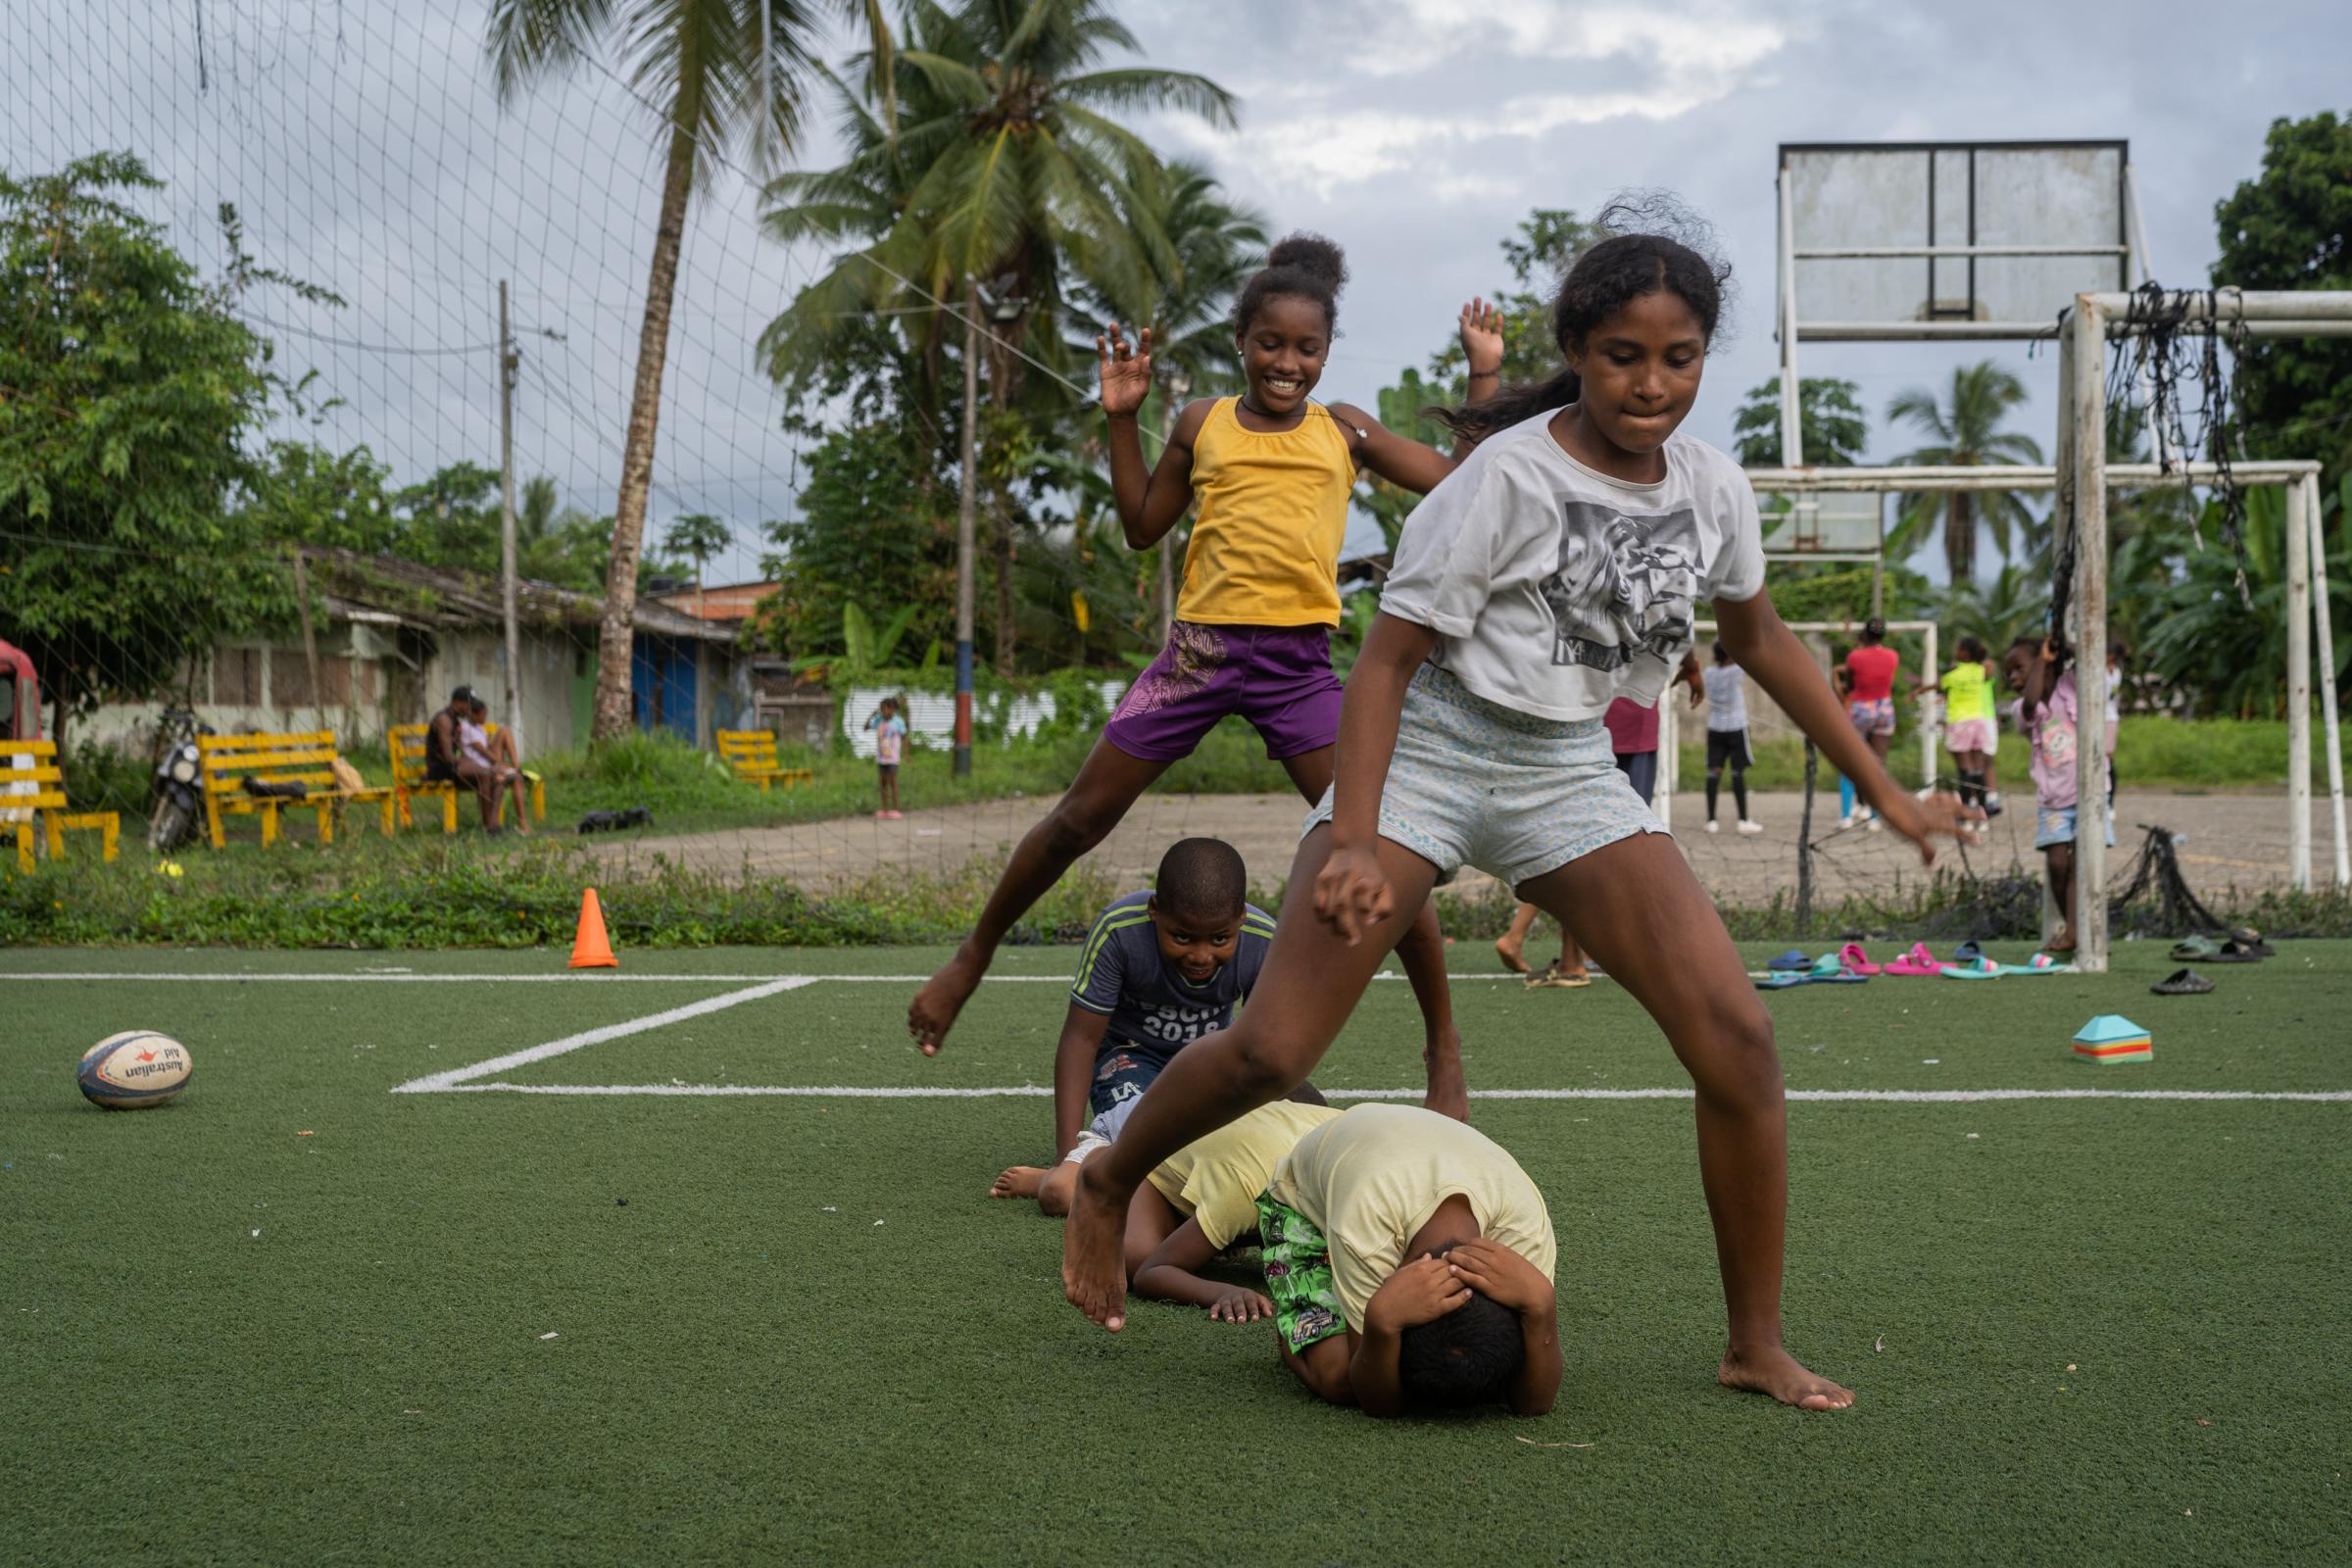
(1950, 239)
(1915, 241)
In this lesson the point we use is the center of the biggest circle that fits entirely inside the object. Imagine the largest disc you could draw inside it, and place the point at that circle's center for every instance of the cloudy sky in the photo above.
(361, 144)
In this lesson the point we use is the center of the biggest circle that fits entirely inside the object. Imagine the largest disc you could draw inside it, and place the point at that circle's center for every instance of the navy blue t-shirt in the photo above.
(1153, 1009)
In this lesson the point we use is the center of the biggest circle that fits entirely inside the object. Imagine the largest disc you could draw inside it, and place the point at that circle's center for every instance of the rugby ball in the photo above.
(139, 1067)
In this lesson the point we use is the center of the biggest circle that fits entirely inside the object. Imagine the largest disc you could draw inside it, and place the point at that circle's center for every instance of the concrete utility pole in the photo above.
(507, 362)
(965, 501)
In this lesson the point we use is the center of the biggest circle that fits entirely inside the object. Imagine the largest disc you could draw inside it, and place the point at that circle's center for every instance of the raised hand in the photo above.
(1939, 815)
(1353, 894)
(1482, 336)
(1126, 372)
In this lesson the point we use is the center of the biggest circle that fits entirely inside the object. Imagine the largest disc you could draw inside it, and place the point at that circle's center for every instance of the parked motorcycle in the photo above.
(175, 795)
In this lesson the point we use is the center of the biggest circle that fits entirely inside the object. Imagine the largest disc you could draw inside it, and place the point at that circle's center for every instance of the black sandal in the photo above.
(2182, 983)
(2233, 952)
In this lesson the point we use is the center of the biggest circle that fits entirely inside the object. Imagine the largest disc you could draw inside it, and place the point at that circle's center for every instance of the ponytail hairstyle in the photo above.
(1301, 264)
(1874, 632)
(1655, 243)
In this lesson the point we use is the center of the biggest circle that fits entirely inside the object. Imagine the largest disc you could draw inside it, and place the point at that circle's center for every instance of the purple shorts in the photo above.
(1277, 677)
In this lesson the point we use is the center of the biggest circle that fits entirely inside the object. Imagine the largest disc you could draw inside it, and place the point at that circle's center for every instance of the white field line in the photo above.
(585, 978)
(456, 1076)
(1899, 1096)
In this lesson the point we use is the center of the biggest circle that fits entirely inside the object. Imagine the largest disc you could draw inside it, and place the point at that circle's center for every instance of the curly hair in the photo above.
(1305, 265)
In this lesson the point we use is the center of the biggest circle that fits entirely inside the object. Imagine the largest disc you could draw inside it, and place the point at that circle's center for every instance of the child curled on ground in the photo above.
(1201, 1201)
(1410, 1263)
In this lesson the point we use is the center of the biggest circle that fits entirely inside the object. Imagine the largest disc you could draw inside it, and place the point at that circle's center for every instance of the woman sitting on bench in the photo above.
(460, 749)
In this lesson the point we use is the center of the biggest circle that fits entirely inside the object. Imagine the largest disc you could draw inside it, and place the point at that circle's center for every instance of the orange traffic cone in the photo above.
(591, 949)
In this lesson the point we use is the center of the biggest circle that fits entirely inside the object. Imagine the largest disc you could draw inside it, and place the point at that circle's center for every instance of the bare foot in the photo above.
(1094, 1273)
(1018, 1181)
(933, 1011)
(1512, 954)
(1776, 1372)
(1449, 1089)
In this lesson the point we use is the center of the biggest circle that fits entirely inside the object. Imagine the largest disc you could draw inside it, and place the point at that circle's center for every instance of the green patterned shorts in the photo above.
(1298, 1266)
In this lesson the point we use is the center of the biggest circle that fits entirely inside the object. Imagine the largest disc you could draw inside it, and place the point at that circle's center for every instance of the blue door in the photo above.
(661, 683)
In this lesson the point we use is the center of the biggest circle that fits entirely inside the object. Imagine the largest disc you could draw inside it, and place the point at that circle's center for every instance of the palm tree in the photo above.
(705, 68)
(1212, 244)
(1967, 434)
(1028, 174)
(699, 537)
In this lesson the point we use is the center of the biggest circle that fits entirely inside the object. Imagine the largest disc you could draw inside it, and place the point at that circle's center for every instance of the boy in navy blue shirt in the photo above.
(1160, 969)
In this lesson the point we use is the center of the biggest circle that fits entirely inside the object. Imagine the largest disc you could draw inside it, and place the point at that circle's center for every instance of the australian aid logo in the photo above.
(154, 1061)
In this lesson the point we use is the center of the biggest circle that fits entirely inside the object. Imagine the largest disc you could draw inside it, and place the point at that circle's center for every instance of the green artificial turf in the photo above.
(2081, 1330)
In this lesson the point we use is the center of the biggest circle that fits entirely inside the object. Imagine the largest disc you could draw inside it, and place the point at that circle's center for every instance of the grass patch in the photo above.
(2151, 753)
(432, 1331)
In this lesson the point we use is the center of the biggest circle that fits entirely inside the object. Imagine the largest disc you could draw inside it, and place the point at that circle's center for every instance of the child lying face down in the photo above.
(1410, 1261)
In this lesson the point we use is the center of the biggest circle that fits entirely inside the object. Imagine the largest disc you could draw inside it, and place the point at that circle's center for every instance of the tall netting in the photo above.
(381, 193)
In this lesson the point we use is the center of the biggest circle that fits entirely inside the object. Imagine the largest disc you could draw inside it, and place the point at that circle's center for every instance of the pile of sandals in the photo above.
(1851, 965)
(2241, 944)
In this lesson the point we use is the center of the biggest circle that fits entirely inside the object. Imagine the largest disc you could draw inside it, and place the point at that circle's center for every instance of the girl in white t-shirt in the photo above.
(1559, 566)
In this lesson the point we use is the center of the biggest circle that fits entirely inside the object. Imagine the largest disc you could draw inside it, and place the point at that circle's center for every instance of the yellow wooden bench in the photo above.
(34, 763)
(405, 743)
(306, 758)
(752, 755)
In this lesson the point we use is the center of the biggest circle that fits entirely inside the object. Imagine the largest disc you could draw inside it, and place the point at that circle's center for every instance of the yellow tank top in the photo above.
(1273, 509)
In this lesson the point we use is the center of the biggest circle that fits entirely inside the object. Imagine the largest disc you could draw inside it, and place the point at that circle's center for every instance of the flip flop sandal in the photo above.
(1792, 959)
(1855, 960)
(1966, 952)
(2232, 953)
(2182, 983)
(1828, 967)
(1552, 979)
(2251, 940)
(1982, 968)
(2196, 947)
(1782, 980)
(1917, 965)
(2039, 963)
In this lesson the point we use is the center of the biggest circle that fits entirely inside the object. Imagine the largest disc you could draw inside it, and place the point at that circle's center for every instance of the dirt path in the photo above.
(2231, 839)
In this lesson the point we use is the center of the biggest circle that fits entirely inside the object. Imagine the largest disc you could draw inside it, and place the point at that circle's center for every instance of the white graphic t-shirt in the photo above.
(1554, 589)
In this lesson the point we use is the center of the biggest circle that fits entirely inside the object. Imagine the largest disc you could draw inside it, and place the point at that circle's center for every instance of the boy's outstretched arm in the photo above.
(1082, 1033)
(1763, 646)
(1172, 1274)
(1150, 498)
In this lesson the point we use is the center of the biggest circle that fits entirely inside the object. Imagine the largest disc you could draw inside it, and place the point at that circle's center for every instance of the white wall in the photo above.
(931, 718)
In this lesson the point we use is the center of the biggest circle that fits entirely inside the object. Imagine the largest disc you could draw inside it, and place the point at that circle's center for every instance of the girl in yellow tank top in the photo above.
(1271, 472)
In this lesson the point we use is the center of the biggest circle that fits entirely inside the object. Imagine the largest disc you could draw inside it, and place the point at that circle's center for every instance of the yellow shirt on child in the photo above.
(1272, 513)
(1967, 693)
(1373, 1176)
(1217, 1179)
